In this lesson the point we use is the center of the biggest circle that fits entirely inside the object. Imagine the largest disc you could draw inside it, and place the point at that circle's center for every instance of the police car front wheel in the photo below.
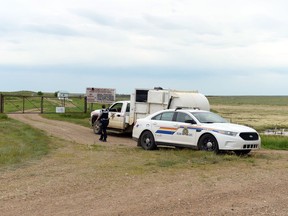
(208, 143)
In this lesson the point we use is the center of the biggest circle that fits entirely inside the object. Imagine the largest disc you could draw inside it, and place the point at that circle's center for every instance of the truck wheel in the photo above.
(96, 127)
(208, 143)
(147, 141)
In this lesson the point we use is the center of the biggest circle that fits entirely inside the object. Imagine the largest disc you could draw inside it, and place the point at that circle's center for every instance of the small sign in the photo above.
(100, 95)
(60, 109)
(62, 95)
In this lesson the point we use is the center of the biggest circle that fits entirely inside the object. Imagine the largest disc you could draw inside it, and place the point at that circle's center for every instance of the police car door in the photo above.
(185, 133)
(117, 117)
(162, 127)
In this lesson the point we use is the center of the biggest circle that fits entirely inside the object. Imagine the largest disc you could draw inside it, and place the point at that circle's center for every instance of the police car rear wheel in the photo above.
(147, 141)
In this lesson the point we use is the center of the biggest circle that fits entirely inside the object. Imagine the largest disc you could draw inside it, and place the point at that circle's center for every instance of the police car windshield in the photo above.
(208, 117)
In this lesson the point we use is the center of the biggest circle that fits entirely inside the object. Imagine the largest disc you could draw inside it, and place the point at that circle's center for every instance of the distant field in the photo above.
(251, 100)
(260, 112)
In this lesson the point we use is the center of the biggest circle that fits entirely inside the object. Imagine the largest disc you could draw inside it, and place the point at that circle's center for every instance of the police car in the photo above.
(194, 128)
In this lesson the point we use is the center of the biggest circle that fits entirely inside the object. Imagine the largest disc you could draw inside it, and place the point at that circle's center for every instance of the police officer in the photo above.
(104, 120)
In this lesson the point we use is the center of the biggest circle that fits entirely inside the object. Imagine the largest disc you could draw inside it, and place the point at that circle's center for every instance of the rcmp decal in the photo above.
(165, 130)
(184, 132)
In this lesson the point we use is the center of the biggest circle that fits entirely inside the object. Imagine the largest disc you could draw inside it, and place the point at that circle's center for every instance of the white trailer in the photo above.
(123, 114)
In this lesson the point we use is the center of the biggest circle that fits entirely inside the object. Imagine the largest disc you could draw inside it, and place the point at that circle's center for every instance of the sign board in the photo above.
(62, 95)
(60, 109)
(100, 95)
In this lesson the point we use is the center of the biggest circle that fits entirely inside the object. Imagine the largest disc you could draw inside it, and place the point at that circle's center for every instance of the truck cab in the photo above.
(118, 117)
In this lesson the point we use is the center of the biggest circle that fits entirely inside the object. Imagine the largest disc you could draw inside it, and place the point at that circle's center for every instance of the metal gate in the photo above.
(41, 104)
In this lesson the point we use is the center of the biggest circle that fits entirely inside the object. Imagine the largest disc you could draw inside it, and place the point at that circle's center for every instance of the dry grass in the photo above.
(260, 117)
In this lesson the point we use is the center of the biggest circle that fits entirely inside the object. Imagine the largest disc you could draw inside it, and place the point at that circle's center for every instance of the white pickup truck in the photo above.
(123, 114)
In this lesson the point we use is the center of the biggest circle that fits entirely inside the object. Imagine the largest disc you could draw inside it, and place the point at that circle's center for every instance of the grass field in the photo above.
(259, 112)
(20, 142)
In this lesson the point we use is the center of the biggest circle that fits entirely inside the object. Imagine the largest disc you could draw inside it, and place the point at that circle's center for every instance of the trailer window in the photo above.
(141, 95)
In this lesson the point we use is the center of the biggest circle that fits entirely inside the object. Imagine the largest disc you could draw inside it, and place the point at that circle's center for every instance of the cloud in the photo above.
(99, 19)
(210, 45)
(53, 29)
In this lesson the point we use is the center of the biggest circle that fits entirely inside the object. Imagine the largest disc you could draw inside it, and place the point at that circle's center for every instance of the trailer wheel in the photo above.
(208, 143)
(147, 141)
(96, 127)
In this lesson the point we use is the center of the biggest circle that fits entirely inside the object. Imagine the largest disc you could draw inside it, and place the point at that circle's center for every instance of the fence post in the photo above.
(23, 109)
(85, 104)
(42, 99)
(1, 103)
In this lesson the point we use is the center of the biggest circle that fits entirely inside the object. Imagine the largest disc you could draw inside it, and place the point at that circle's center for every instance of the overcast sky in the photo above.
(223, 47)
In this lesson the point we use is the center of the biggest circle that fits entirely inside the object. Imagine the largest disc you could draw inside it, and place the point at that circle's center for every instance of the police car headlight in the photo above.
(228, 133)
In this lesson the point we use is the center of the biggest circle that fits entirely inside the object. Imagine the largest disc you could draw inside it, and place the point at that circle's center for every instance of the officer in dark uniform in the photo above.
(104, 120)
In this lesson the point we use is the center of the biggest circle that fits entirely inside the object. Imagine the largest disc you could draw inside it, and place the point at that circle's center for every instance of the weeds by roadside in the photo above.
(274, 142)
(20, 142)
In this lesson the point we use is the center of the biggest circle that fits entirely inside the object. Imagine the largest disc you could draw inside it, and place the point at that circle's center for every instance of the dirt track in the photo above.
(63, 185)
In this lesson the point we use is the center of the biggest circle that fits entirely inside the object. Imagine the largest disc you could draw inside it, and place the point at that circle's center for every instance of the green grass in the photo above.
(20, 142)
(274, 142)
(3, 117)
